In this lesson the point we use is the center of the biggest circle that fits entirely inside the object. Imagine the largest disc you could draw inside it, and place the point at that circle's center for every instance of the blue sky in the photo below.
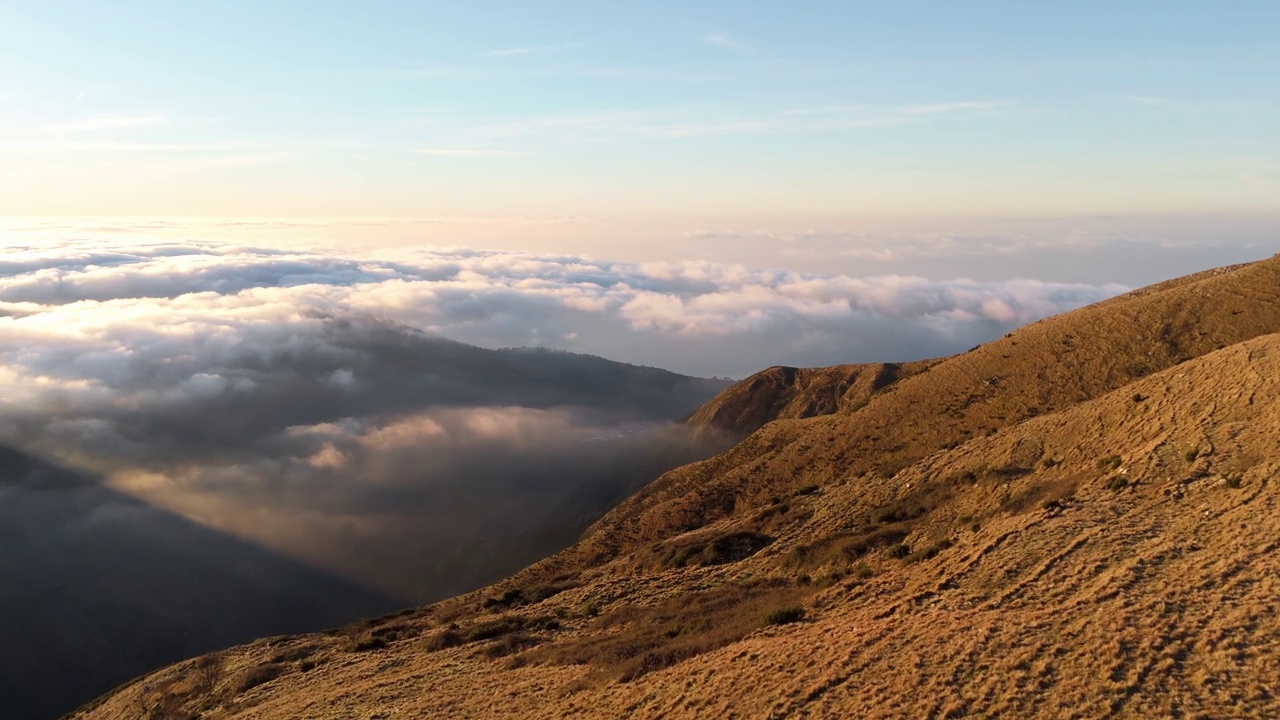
(643, 110)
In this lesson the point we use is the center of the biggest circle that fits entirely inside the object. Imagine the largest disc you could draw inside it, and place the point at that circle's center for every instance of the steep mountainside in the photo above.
(1077, 520)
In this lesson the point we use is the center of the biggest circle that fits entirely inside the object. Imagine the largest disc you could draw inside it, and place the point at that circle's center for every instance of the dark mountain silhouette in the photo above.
(96, 587)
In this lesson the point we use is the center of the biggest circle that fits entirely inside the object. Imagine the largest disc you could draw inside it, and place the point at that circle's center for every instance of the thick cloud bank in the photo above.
(309, 401)
(698, 318)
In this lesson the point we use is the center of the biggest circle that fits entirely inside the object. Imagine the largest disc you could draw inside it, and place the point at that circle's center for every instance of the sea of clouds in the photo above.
(313, 400)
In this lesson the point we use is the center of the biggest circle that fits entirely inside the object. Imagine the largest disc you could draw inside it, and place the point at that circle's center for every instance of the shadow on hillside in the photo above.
(97, 587)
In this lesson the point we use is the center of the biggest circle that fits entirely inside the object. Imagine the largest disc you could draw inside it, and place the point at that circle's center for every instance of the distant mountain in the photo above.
(1076, 520)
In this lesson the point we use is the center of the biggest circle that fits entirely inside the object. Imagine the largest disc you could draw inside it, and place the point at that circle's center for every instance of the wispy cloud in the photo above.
(716, 129)
(671, 73)
(78, 146)
(724, 40)
(954, 107)
(108, 122)
(470, 152)
(216, 161)
(1154, 101)
(688, 123)
(508, 52)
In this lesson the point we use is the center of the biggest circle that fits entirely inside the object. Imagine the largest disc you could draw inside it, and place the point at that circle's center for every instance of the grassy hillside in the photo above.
(1078, 519)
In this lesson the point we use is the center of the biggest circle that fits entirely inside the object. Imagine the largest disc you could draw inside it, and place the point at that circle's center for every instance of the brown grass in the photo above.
(632, 641)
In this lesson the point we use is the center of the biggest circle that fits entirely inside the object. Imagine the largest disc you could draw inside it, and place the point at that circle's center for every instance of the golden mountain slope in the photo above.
(1113, 553)
(1043, 367)
(787, 393)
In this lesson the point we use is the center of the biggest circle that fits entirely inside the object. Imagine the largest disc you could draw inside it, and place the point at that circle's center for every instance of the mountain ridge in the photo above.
(789, 393)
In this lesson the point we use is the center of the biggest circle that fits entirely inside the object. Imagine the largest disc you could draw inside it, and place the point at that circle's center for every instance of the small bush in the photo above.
(443, 640)
(295, 653)
(1192, 454)
(366, 642)
(510, 624)
(784, 616)
(884, 517)
(510, 645)
(1117, 483)
(260, 675)
(494, 628)
(208, 670)
(829, 578)
(542, 622)
(705, 550)
(511, 598)
(900, 550)
(1233, 481)
(1139, 397)
(927, 553)
(1049, 463)
(1111, 462)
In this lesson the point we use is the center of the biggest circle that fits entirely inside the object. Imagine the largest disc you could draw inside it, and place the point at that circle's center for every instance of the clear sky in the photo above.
(641, 110)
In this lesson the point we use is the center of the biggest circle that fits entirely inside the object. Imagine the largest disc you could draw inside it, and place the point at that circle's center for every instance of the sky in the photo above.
(682, 115)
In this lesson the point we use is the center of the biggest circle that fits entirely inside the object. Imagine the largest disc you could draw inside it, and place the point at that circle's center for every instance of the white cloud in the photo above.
(695, 316)
(954, 107)
(508, 52)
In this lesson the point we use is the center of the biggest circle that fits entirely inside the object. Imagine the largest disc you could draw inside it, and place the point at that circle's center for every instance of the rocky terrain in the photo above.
(1076, 520)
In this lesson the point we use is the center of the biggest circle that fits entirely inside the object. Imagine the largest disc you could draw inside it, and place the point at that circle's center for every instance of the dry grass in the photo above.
(633, 640)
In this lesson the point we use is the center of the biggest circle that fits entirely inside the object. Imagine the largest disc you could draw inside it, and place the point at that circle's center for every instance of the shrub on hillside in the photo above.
(784, 616)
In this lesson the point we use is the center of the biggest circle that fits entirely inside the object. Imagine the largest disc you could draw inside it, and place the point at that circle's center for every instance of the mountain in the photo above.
(1078, 519)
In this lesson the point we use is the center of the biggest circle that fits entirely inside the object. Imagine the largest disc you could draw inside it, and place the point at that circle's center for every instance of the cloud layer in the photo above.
(93, 298)
(317, 402)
